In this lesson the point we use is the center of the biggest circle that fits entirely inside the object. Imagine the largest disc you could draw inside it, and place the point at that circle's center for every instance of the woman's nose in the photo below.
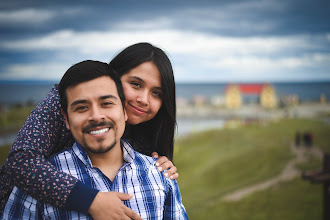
(142, 98)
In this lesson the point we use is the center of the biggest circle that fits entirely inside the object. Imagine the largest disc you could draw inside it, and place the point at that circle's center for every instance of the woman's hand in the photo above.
(164, 163)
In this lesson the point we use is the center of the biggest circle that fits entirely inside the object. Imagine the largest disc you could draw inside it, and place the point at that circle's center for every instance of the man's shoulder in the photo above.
(144, 160)
(64, 154)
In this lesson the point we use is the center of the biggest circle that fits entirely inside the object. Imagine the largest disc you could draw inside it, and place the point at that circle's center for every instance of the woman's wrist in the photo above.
(81, 197)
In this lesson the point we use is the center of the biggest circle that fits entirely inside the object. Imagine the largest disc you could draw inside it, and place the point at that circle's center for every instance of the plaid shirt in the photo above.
(155, 197)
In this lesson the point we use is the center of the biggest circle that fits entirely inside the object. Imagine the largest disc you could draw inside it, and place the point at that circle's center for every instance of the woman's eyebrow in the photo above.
(136, 77)
(142, 81)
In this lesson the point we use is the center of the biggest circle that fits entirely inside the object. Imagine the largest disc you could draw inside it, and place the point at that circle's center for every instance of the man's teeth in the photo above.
(99, 131)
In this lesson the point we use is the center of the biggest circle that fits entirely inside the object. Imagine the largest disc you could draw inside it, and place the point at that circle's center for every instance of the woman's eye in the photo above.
(157, 94)
(135, 84)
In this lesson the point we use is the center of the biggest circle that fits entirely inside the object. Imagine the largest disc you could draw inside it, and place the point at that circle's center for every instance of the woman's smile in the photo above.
(138, 110)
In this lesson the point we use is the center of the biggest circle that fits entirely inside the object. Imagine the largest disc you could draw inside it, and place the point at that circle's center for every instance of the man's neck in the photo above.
(110, 162)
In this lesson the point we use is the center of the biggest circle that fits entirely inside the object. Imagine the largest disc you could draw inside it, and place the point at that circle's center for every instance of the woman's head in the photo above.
(150, 64)
(143, 92)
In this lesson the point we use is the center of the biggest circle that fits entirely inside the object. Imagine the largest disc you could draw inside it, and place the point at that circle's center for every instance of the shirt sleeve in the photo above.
(174, 208)
(43, 134)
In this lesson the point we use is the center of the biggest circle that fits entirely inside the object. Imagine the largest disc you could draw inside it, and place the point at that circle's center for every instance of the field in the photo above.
(216, 163)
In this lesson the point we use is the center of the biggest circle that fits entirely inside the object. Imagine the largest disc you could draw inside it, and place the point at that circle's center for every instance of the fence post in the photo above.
(322, 176)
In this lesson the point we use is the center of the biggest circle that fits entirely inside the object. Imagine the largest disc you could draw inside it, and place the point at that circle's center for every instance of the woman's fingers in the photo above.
(163, 163)
(155, 155)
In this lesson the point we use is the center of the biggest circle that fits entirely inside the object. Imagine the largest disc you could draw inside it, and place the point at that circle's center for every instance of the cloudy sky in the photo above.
(207, 41)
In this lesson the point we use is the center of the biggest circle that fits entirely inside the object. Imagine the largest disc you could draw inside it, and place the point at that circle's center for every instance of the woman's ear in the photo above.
(66, 120)
(125, 115)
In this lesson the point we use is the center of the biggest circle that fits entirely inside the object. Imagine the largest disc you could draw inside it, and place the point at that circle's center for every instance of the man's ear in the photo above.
(66, 120)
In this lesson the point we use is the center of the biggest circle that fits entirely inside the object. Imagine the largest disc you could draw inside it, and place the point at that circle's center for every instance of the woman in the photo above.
(149, 88)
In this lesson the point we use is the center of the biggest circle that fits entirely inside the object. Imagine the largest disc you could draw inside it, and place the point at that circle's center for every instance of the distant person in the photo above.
(308, 139)
(92, 101)
(311, 137)
(297, 139)
(305, 139)
(149, 87)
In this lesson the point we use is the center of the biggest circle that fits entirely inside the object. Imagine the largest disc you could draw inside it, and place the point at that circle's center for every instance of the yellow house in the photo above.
(233, 97)
(268, 97)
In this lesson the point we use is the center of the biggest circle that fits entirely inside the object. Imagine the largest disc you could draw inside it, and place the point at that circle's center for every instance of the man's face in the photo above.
(95, 114)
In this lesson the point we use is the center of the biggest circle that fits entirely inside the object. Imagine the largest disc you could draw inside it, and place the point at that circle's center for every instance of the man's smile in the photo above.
(99, 132)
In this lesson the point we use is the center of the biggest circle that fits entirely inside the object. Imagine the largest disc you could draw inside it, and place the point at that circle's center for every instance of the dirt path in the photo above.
(288, 173)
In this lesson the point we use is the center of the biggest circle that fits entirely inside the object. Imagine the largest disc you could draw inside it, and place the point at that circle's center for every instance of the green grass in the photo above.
(214, 163)
(4, 150)
(13, 118)
(296, 199)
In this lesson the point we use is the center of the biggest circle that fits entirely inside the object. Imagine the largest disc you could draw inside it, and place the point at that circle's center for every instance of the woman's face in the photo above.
(143, 92)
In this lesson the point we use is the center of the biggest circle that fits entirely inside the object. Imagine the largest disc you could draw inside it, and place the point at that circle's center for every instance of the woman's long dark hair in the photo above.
(158, 133)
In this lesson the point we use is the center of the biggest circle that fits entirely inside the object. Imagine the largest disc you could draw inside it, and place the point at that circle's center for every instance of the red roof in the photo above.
(250, 88)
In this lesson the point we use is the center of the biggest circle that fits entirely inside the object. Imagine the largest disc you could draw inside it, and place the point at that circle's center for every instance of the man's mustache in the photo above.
(95, 125)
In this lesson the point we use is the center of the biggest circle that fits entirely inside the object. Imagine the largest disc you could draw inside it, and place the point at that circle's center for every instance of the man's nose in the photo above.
(96, 114)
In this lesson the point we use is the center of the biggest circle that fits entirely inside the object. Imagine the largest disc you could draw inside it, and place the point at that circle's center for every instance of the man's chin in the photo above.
(100, 149)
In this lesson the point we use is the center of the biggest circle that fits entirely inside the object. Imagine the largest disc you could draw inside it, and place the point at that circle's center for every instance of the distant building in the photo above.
(264, 94)
(218, 101)
(323, 99)
(268, 97)
(233, 97)
(199, 100)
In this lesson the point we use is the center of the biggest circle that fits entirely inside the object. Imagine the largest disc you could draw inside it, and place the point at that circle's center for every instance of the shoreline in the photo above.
(306, 110)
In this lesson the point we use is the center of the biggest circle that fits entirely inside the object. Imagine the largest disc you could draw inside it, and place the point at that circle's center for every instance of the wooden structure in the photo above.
(235, 93)
(323, 177)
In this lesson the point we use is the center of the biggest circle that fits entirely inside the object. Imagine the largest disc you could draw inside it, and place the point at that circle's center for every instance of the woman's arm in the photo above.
(43, 134)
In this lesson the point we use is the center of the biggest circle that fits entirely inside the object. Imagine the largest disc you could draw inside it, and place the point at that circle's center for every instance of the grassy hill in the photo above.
(215, 163)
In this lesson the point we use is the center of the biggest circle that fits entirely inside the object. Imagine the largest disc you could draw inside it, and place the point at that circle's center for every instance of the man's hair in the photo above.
(85, 71)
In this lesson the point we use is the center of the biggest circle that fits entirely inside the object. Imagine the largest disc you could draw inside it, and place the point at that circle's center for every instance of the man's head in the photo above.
(92, 103)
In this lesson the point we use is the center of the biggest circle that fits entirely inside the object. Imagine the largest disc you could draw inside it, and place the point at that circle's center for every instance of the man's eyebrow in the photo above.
(77, 102)
(83, 101)
(108, 97)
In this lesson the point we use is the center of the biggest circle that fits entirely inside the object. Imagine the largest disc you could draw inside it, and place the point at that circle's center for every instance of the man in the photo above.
(92, 104)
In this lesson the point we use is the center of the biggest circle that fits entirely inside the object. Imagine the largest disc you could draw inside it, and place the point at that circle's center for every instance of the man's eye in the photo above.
(107, 104)
(81, 108)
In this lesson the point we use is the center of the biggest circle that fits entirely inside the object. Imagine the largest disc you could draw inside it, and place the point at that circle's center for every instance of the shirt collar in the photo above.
(128, 153)
(81, 154)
